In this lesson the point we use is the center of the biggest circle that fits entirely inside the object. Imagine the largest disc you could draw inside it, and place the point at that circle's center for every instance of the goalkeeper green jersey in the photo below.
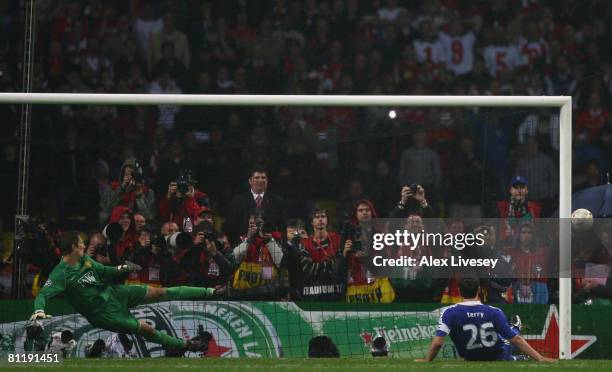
(84, 285)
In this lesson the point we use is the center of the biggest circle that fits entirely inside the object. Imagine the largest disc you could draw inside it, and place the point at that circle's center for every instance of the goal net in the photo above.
(425, 190)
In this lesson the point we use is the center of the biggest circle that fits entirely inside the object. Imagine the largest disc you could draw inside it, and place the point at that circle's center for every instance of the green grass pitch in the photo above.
(343, 364)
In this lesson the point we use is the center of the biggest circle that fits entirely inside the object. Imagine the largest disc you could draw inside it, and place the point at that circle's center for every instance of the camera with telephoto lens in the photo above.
(180, 240)
(210, 234)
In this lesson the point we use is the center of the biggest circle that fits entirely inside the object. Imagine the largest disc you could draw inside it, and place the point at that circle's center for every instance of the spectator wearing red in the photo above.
(177, 206)
(531, 261)
(318, 256)
(130, 192)
(202, 215)
(242, 32)
(125, 218)
(361, 285)
(591, 121)
(259, 257)
(517, 208)
(147, 256)
(208, 262)
(67, 19)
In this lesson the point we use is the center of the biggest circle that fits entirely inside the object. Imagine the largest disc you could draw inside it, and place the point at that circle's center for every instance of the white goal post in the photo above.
(564, 103)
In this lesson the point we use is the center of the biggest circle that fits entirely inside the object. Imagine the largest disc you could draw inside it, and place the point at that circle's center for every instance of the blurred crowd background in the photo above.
(157, 170)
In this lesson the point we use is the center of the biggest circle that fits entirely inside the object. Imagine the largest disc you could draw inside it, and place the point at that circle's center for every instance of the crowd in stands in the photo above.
(168, 187)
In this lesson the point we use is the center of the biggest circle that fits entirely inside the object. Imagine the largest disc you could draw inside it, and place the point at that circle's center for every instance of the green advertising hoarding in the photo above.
(283, 329)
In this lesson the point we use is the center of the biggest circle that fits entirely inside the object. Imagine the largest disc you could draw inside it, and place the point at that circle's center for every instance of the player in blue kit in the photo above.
(479, 332)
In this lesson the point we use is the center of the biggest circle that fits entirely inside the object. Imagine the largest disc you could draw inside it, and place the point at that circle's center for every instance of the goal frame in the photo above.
(563, 103)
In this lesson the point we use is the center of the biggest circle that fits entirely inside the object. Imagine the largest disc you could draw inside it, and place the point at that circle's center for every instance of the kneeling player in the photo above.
(84, 283)
(479, 332)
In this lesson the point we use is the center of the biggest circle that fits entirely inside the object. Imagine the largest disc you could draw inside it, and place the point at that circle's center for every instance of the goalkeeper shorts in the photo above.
(115, 315)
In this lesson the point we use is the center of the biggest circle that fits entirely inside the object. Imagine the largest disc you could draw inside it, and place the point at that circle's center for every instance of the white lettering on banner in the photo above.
(418, 332)
(250, 354)
(322, 290)
(231, 318)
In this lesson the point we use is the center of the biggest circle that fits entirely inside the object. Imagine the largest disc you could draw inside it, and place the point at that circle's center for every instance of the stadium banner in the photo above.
(283, 329)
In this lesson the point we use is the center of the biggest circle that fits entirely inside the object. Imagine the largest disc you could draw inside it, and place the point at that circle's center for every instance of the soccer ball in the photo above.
(582, 220)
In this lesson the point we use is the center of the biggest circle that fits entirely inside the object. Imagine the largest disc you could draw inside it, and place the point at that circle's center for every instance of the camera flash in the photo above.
(392, 114)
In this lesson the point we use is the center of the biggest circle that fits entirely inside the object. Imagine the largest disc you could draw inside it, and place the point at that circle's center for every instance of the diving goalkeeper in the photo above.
(85, 285)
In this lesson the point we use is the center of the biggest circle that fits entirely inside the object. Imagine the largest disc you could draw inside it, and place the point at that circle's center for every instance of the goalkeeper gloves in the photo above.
(39, 315)
(128, 267)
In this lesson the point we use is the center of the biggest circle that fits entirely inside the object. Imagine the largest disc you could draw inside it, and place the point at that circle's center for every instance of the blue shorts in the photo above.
(507, 353)
(508, 350)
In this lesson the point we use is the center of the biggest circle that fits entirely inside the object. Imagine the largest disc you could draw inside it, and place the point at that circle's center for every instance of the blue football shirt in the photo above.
(479, 332)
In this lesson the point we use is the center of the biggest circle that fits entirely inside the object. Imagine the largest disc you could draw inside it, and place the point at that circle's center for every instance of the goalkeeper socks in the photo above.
(186, 293)
(166, 340)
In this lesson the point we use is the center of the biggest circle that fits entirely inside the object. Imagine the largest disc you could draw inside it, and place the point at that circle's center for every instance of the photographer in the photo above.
(592, 287)
(417, 283)
(97, 249)
(182, 200)
(494, 283)
(125, 218)
(130, 191)
(531, 261)
(178, 245)
(412, 201)
(323, 271)
(41, 250)
(295, 232)
(357, 234)
(516, 210)
(203, 215)
(259, 257)
(151, 254)
(208, 262)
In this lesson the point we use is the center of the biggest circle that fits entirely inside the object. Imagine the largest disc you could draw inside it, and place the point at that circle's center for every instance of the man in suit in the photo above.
(258, 199)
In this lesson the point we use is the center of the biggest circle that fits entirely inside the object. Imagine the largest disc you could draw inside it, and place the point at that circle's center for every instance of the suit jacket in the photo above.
(273, 207)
